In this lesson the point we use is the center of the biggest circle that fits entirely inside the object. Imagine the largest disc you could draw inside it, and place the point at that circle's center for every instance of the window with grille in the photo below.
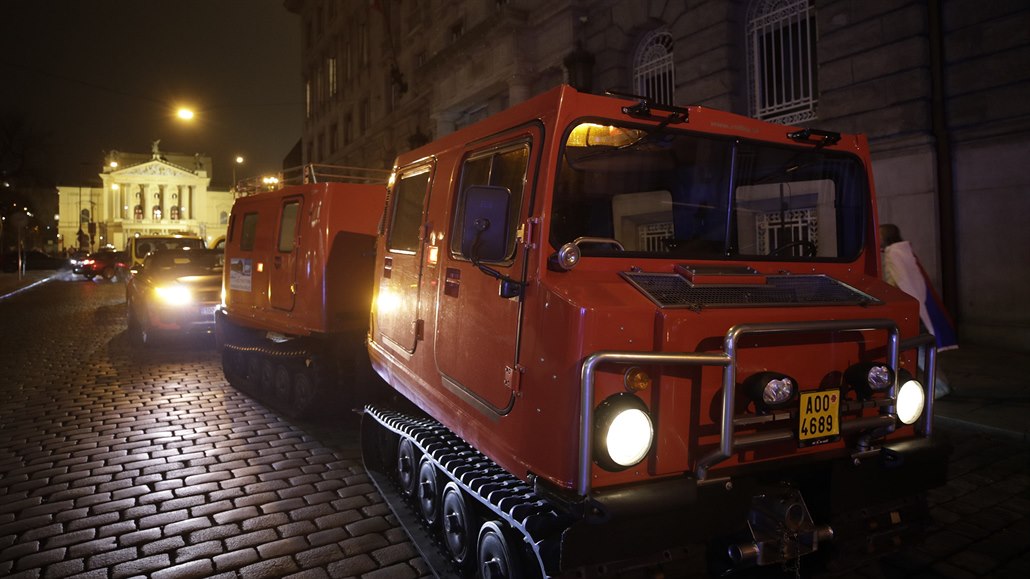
(653, 68)
(781, 38)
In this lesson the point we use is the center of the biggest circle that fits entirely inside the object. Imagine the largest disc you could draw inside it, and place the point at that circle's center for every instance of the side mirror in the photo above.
(484, 230)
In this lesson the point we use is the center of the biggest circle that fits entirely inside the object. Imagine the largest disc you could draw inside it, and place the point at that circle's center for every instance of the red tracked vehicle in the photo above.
(297, 287)
(626, 329)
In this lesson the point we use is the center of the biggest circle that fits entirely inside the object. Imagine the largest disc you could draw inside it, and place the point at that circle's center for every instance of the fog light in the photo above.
(770, 390)
(911, 399)
(623, 432)
(866, 377)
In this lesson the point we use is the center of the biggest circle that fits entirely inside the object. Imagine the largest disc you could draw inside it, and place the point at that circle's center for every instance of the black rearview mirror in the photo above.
(484, 231)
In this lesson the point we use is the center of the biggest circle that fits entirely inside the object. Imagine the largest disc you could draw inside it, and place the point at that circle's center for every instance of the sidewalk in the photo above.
(990, 389)
(12, 283)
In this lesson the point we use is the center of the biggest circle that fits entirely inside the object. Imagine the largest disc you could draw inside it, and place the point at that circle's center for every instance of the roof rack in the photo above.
(310, 173)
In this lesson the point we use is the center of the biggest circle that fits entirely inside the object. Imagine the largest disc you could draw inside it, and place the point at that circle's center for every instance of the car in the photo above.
(31, 259)
(75, 259)
(139, 247)
(174, 292)
(107, 264)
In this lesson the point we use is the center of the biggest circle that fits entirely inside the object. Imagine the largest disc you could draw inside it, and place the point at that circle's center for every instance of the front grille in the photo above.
(670, 290)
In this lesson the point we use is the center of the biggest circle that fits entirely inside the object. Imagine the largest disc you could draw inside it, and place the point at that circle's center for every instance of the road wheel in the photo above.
(88, 276)
(428, 491)
(497, 559)
(108, 273)
(282, 390)
(407, 466)
(253, 380)
(266, 378)
(305, 392)
(459, 525)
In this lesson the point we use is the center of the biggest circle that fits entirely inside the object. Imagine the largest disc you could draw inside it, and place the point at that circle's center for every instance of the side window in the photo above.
(288, 225)
(505, 167)
(232, 227)
(250, 222)
(409, 196)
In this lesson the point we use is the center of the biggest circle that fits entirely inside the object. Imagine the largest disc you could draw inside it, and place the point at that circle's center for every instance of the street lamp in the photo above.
(239, 161)
(185, 114)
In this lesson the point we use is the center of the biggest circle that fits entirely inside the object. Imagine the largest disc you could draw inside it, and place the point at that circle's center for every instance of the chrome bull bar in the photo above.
(727, 359)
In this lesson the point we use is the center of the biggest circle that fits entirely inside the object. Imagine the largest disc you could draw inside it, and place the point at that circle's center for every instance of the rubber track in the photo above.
(509, 498)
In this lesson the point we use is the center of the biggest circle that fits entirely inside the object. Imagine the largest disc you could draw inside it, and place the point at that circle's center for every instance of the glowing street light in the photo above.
(239, 161)
(185, 114)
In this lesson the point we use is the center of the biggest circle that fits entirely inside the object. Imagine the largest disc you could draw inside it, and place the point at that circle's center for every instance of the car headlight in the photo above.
(623, 432)
(911, 400)
(174, 295)
(866, 378)
(771, 390)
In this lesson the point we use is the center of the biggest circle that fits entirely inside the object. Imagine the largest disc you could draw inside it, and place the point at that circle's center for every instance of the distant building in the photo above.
(143, 195)
(940, 87)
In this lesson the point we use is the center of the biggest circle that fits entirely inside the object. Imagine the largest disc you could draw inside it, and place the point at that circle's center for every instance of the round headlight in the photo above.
(911, 399)
(770, 390)
(623, 432)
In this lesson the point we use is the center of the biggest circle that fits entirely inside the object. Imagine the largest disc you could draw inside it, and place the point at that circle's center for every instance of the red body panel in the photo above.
(285, 279)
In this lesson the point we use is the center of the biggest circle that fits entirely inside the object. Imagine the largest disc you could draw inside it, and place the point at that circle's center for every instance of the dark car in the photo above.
(106, 264)
(174, 291)
(32, 259)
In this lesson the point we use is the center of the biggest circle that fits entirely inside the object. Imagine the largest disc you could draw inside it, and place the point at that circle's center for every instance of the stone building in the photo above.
(941, 87)
(154, 194)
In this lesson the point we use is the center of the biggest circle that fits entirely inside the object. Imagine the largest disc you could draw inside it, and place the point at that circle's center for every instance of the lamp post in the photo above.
(238, 161)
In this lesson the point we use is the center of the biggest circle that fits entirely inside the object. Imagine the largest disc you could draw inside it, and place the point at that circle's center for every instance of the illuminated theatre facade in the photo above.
(154, 194)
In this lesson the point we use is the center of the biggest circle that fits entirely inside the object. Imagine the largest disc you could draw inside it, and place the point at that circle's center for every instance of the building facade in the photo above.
(154, 194)
(941, 87)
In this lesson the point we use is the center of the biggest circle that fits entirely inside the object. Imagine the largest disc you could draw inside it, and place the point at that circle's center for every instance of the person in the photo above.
(901, 268)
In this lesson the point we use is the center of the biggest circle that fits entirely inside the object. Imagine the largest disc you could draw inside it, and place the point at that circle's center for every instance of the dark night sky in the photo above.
(91, 76)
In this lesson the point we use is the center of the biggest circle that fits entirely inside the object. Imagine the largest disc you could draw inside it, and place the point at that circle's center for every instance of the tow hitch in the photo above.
(781, 530)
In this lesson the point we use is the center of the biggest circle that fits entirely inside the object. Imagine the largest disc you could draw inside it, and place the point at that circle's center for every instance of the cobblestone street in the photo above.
(119, 462)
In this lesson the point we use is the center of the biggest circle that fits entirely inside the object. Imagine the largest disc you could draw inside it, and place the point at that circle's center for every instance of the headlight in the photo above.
(623, 432)
(866, 378)
(770, 390)
(911, 399)
(174, 295)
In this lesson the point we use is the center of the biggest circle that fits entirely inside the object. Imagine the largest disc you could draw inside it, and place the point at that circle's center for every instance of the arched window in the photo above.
(653, 68)
(173, 212)
(223, 218)
(782, 65)
(156, 212)
(137, 213)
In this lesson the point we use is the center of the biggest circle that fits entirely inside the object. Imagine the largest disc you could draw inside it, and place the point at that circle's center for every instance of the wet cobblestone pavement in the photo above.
(120, 462)
(117, 461)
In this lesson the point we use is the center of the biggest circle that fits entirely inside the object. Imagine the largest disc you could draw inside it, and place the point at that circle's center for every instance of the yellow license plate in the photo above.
(819, 417)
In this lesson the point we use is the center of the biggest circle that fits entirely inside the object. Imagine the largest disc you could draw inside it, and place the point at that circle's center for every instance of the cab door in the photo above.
(477, 327)
(282, 279)
(397, 304)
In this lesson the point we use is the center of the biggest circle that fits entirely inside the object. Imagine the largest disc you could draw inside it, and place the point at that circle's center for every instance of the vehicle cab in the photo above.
(673, 314)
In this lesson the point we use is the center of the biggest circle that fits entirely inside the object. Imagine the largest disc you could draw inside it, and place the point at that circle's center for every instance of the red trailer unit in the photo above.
(297, 287)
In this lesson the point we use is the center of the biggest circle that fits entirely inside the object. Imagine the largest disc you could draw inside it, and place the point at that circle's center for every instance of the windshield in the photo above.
(674, 194)
(181, 263)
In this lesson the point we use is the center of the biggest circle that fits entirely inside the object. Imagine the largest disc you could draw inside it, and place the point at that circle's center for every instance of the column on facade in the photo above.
(184, 202)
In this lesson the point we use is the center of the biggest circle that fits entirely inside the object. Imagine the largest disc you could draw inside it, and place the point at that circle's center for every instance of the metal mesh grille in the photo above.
(670, 290)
